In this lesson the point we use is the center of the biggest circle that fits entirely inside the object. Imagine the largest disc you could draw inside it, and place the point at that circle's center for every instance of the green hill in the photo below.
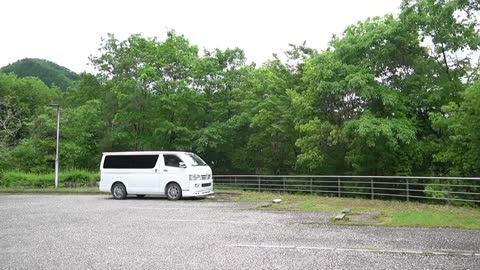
(50, 73)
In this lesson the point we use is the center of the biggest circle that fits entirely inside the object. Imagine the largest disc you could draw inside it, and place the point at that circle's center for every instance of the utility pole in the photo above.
(58, 140)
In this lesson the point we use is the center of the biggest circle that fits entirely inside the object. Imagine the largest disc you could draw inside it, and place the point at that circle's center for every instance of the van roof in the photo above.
(144, 152)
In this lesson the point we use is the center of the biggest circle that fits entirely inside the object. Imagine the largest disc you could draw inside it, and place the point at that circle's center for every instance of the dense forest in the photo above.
(48, 72)
(393, 95)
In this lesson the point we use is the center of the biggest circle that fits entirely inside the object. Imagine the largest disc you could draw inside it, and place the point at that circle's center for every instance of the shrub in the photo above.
(17, 179)
(79, 178)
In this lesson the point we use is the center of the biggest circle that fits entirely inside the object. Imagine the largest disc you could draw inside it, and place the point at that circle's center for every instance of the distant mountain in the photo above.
(50, 73)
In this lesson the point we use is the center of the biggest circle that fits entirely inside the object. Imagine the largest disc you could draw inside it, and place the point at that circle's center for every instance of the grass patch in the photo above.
(392, 213)
(62, 190)
(71, 178)
(446, 217)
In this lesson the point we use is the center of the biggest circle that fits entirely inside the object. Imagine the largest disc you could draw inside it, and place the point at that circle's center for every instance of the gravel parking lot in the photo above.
(97, 232)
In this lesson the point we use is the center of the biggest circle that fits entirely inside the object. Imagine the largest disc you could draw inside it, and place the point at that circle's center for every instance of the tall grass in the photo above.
(71, 178)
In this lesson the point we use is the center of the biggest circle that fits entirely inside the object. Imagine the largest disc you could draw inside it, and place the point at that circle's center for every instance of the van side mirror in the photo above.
(182, 165)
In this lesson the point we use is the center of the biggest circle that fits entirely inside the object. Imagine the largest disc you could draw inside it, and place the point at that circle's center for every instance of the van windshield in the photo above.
(194, 160)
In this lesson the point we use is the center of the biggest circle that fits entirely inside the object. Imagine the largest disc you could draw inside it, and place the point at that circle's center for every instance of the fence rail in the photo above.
(418, 188)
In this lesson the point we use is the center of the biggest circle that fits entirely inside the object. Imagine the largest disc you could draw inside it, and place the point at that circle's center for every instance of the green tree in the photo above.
(21, 100)
(146, 78)
(459, 125)
(345, 114)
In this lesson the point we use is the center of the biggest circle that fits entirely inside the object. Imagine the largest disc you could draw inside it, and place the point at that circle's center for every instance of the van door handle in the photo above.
(165, 170)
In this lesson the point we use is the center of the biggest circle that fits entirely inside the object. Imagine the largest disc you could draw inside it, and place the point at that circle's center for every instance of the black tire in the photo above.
(173, 192)
(119, 192)
(141, 196)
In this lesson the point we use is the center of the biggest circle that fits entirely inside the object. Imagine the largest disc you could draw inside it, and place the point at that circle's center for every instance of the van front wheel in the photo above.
(174, 192)
(119, 191)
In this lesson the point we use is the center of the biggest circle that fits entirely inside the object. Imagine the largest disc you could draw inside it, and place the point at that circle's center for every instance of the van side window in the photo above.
(172, 160)
(130, 162)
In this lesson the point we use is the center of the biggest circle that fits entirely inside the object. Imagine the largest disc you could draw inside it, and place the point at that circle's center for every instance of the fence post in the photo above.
(311, 185)
(448, 191)
(284, 188)
(371, 189)
(259, 183)
(407, 187)
(235, 179)
(339, 192)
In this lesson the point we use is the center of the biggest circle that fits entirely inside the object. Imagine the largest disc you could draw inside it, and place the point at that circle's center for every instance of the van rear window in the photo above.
(130, 162)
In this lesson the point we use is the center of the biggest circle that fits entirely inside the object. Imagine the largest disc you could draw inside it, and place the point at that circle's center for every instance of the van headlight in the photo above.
(194, 177)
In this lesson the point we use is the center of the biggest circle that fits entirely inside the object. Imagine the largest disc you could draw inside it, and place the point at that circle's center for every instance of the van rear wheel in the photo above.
(119, 191)
(174, 192)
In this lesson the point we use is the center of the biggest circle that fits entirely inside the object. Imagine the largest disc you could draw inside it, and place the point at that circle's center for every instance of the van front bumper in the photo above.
(199, 188)
(198, 193)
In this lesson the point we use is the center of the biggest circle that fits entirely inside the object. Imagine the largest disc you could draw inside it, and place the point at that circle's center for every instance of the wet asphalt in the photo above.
(97, 232)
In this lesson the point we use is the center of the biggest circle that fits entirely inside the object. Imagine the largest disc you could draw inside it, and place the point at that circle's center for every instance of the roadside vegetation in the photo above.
(50, 190)
(16, 180)
(379, 213)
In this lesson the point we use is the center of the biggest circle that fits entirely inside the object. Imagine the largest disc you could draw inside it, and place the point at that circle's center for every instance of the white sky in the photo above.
(67, 32)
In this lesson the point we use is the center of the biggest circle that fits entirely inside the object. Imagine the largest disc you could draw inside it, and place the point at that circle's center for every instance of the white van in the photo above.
(173, 174)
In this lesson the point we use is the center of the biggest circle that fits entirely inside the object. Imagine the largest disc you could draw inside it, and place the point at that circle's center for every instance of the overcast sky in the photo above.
(67, 32)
